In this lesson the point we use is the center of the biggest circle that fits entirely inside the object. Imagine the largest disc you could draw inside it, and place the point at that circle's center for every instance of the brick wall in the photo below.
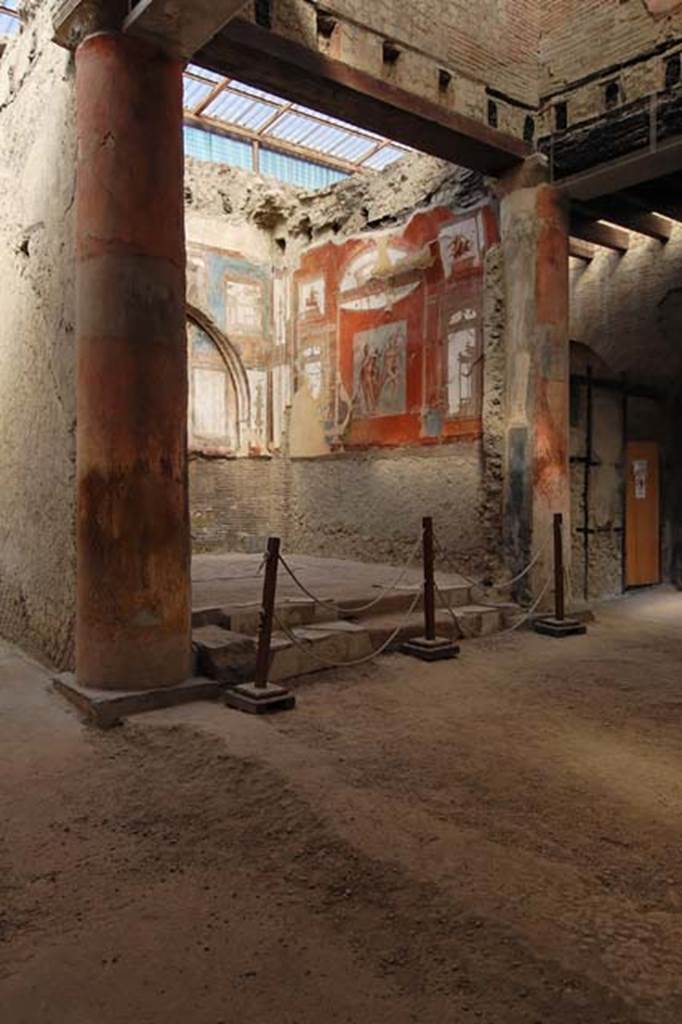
(489, 43)
(579, 37)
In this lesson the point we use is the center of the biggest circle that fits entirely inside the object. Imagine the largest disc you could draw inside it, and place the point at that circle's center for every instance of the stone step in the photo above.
(293, 612)
(231, 657)
(472, 621)
(399, 601)
(245, 618)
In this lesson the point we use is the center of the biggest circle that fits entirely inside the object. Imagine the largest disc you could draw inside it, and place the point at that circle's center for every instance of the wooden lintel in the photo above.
(581, 250)
(607, 235)
(180, 28)
(624, 173)
(269, 61)
(663, 196)
(618, 210)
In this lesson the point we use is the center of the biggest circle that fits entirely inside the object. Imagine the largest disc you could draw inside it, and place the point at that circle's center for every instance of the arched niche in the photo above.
(219, 398)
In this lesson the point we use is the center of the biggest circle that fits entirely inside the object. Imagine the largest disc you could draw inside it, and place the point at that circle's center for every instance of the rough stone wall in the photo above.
(368, 506)
(37, 395)
(626, 313)
(628, 308)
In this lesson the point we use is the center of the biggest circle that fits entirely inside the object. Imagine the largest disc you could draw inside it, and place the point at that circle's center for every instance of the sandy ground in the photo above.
(492, 840)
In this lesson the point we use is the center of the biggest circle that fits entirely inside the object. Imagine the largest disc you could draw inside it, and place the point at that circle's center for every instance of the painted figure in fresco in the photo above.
(312, 302)
(391, 376)
(460, 246)
(370, 378)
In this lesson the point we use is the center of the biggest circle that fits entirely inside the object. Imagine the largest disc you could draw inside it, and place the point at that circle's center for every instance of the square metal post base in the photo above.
(439, 649)
(559, 628)
(259, 700)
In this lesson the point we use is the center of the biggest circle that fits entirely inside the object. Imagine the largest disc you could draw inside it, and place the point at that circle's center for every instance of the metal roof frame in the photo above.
(230, 107)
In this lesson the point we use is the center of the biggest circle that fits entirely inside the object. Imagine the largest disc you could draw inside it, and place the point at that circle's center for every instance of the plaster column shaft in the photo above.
(133, 568)
(535, 230)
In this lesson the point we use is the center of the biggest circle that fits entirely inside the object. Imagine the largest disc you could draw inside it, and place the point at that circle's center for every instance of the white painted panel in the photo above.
(209, 406)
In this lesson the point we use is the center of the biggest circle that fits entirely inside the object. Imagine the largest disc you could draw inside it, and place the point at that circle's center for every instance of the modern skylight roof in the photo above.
(10, 22)
(233, 108)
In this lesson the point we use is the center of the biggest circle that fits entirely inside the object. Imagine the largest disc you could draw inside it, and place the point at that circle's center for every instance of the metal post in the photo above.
(267, 612)
(559, 600)
(429, 586)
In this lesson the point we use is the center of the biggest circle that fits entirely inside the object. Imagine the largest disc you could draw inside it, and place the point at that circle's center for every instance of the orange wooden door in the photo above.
(642, 514)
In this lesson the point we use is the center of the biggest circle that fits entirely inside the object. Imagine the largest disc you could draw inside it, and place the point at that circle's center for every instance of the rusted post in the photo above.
(429, 647)
(558, 625)
(267, 612)
(559, 597)
(429, 586)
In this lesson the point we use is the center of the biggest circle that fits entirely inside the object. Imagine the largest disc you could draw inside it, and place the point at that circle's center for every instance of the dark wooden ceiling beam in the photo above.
(663, 196)
(581, 250)
(624, 173)
(618, 210)
(606, 235)
(269, 61)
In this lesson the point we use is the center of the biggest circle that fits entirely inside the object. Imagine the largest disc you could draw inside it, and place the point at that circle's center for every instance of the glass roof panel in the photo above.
(293, 128)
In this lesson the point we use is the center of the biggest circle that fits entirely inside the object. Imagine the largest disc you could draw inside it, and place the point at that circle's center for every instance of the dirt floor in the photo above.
(492, 840)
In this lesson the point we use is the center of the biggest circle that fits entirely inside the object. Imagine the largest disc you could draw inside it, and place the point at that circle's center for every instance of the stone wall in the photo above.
(37, 394)
(626, 316)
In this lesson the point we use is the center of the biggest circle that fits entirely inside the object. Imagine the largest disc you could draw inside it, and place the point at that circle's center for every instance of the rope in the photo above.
(530, 611)
(357, 661)
(503, 632)
(508, 584)
(329, 602)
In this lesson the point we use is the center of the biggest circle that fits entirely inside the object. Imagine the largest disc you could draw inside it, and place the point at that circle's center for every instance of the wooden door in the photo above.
(642, 514)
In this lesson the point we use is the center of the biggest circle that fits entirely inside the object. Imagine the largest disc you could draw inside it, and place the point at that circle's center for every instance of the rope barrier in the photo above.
(524, 618)
(329, 603)
(508, 584)
(357, 661)
(528, 614)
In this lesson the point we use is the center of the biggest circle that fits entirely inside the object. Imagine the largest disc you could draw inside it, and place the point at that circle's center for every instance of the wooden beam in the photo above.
(663, 196)
(606, 235)
(618, 210)
(180, 28)
(625, 173)
(269, 61)
(581, 250)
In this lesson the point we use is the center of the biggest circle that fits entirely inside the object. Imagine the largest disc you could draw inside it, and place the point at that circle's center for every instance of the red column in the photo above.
(133, 568)
(537, 484)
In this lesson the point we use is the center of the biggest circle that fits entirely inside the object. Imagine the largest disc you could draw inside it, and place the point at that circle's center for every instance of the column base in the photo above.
(260, 700)
(107, 708)
(439, 649)
(559, 628)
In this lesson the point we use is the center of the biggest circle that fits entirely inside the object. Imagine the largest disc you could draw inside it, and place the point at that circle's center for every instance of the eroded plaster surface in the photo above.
(37, 394)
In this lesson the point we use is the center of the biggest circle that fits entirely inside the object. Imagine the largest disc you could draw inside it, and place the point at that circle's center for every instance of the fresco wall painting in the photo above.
(402, 360)
(383, 331)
